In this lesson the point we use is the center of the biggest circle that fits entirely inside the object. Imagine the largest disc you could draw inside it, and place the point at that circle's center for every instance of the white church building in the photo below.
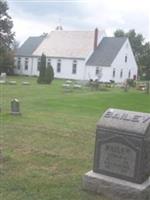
(78, 55)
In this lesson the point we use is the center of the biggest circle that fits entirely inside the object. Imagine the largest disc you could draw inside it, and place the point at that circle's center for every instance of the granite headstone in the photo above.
(3, 78)
(122, 156)
(15, 107)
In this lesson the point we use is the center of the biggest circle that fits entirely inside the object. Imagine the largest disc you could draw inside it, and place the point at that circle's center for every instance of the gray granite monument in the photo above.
(121, 167)
(3, 78)
(15, 107)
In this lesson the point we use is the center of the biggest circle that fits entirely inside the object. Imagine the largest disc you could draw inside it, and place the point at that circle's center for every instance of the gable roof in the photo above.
(106, 51)
(67, 44)
(29, 46)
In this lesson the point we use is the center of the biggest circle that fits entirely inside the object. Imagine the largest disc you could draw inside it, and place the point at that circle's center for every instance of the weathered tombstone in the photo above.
(3, 78)
(25, 83)
(12, 82)
(121, 167)
(15, 107)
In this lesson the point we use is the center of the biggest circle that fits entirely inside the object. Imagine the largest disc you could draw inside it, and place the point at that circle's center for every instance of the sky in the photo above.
(34, 17)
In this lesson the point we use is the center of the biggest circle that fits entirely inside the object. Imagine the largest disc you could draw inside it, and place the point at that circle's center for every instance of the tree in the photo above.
(42, 69)
(6, 38)
(49, 74)
(140, 49)
(119, 33)
(136, 41)
(46, 75)
(145, 62)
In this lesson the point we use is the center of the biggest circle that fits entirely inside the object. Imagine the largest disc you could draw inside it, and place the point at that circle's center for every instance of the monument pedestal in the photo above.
(114, 188)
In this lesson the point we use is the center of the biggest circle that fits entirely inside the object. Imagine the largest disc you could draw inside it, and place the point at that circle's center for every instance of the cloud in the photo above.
(34, 18)
(32, 24)
(116, 14)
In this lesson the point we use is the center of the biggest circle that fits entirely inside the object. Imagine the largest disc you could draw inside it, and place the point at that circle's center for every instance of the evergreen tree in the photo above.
(46, 75)
(6, 38)
(42, 69)
(49, 74)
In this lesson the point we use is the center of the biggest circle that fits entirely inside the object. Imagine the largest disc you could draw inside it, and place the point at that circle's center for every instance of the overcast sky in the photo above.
(33, 17)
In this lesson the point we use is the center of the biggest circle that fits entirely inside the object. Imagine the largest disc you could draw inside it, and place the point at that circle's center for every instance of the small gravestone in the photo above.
(77, 86)
(25, 83)
(12, 82)
(15, 107)
(3, 78)
(121, 167)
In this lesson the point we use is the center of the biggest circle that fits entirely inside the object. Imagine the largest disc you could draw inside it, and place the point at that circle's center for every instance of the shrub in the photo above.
(49, 74)
(131, 82)
(46, 74)
(42, 69)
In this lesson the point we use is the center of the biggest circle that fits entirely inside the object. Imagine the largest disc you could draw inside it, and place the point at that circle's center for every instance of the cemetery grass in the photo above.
(46, 151)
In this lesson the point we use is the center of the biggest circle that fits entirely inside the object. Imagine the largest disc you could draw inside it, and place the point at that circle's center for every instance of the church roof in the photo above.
(106, 51)
(67, 44)
(29, 46)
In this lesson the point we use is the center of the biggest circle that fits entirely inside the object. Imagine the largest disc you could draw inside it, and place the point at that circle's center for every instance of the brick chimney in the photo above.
(95, 38)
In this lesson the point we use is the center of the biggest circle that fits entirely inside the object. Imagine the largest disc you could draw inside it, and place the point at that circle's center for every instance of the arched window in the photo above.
(38, 64)
(26, 64)
(58, 65)
(129, 74)
(121, 73)
(74, 67)
(48, 62)
(97, 71)
(126, 59)
(114, 73)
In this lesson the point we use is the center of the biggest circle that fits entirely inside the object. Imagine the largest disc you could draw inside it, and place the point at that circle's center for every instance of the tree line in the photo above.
(6, 39)
(141, 49)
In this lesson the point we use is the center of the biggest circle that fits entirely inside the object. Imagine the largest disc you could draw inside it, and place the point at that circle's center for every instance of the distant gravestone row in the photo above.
(70, 85)
(3, 80)
(121, 169)
(14, 82)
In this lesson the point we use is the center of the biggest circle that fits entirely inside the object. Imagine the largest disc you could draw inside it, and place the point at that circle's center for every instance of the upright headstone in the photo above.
(3, 78)
(15, 107)
(121, 167)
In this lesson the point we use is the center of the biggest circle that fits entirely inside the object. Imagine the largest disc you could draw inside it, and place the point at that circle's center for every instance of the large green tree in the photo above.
(145, 62)
(140, 50)
(6, 38)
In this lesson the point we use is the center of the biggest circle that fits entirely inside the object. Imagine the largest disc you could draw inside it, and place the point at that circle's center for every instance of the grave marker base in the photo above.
(116, 189)
(15, 113)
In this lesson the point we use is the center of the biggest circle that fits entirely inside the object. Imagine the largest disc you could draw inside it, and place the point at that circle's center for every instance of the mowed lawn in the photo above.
(47, 150)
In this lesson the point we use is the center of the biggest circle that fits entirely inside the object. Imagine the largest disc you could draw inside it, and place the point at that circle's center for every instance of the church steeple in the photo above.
(59, 27)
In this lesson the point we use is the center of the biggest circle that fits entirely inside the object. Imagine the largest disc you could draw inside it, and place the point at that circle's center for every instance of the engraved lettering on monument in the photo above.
(121, 168)
(125, 117)
(117, 158)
